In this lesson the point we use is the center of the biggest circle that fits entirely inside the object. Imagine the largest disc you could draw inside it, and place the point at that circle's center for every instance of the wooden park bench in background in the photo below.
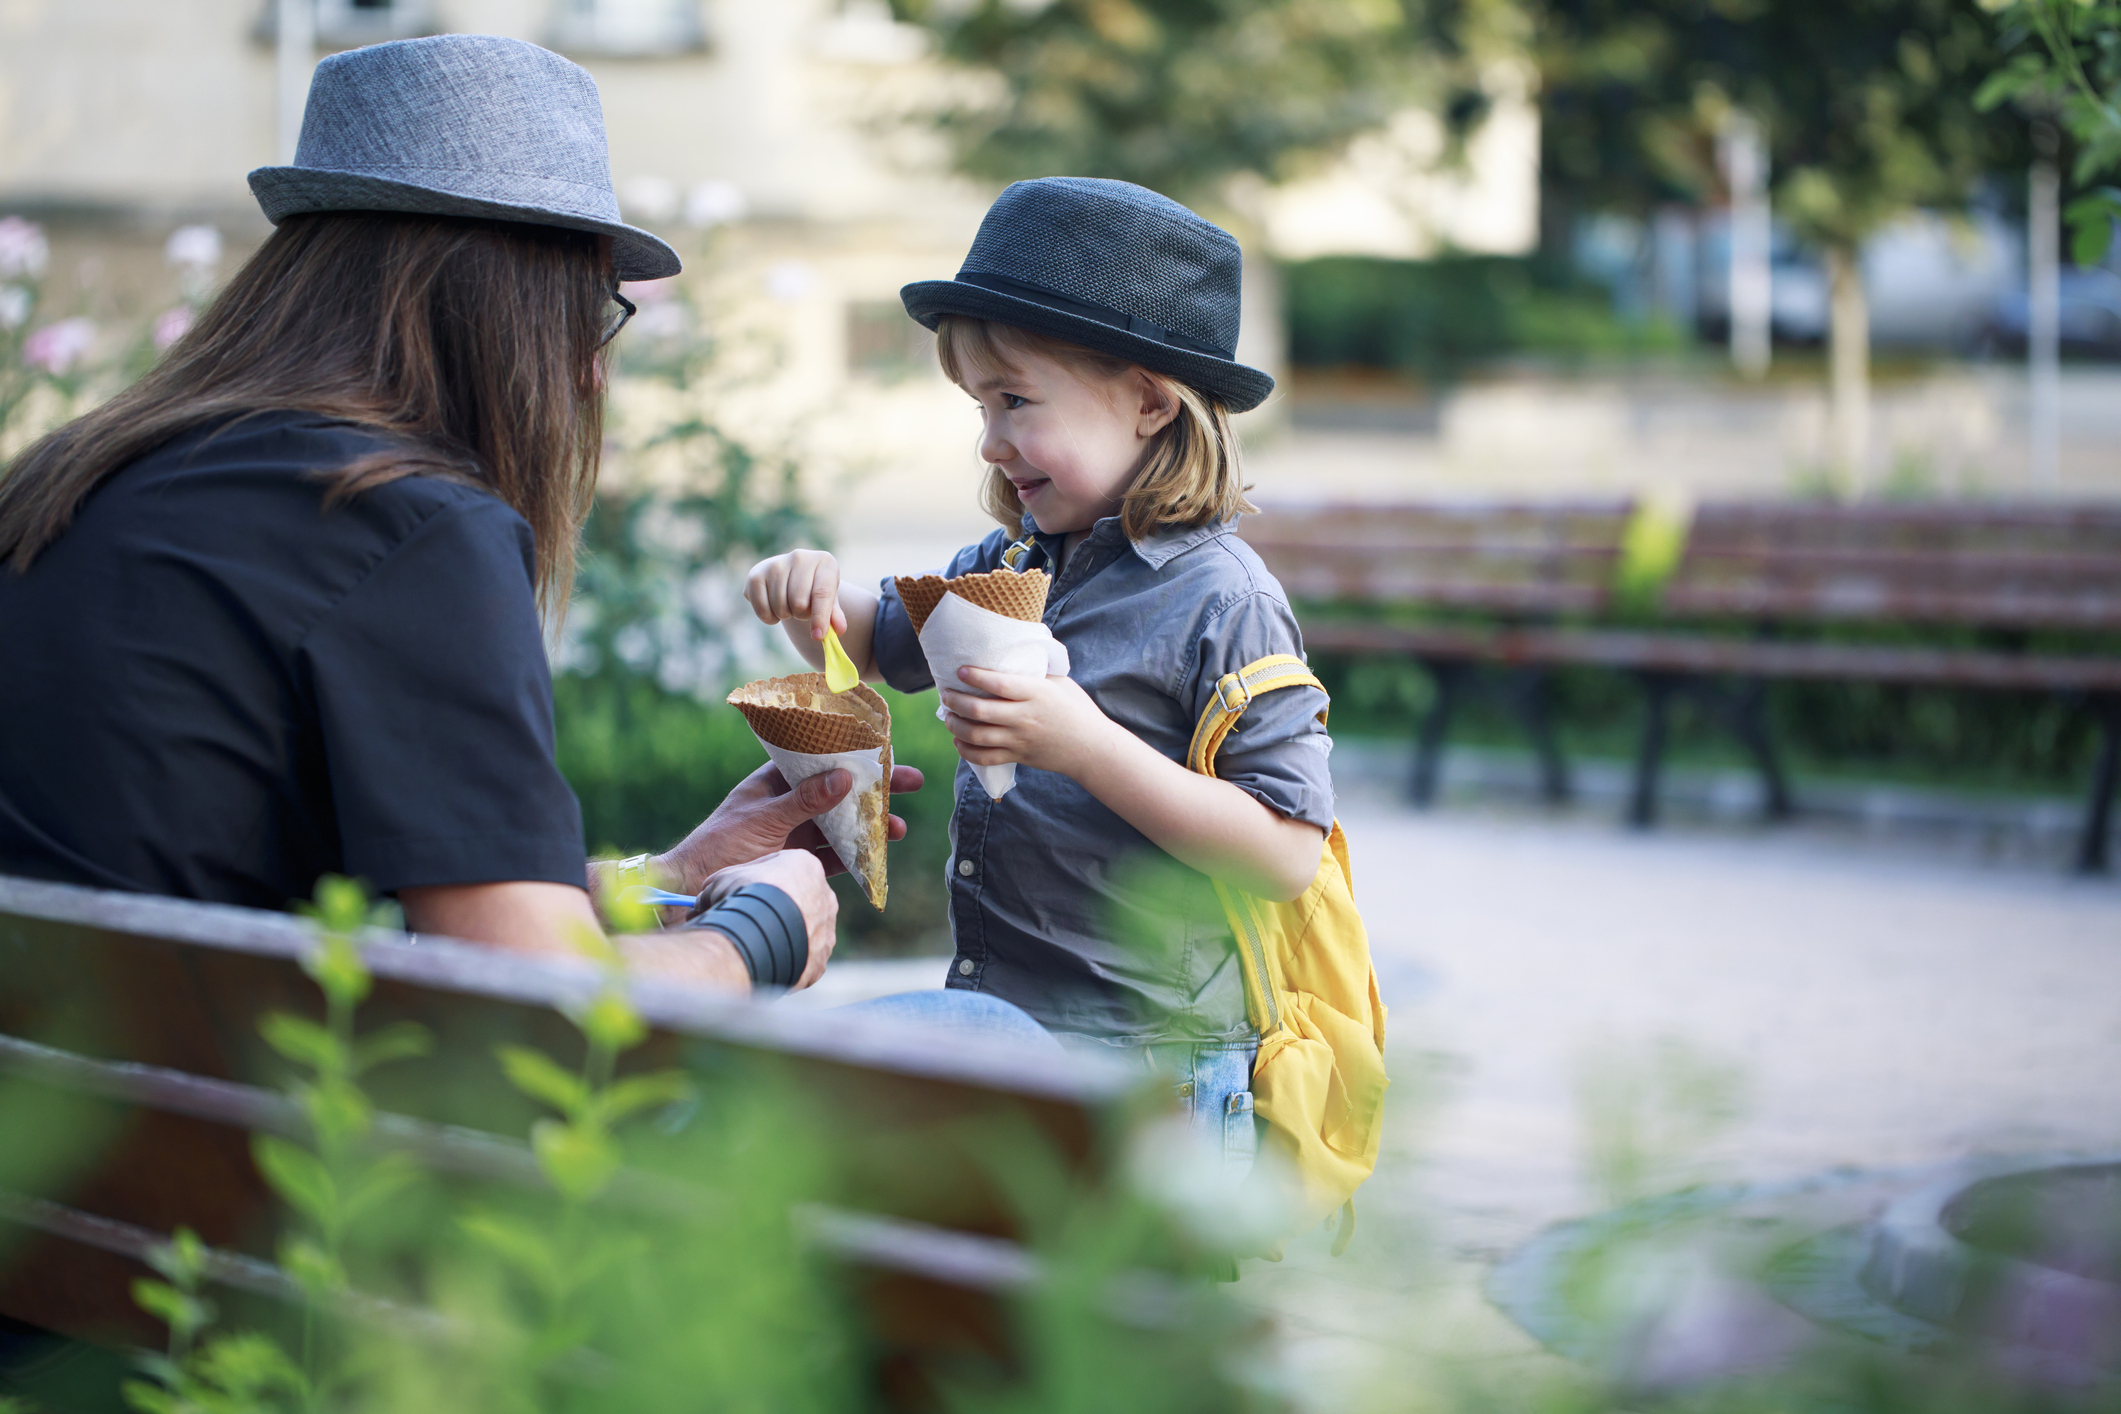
(1772, 569)
(1473, 566)
(146, 1010)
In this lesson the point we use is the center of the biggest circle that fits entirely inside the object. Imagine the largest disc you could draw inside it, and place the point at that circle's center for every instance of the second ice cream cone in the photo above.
(808, 729)
(1004, 592)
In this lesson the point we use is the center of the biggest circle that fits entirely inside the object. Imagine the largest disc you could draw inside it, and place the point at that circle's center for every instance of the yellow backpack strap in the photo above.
(1233, 693)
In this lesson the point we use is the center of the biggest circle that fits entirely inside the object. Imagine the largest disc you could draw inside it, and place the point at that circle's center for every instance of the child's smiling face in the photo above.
(1070, 442)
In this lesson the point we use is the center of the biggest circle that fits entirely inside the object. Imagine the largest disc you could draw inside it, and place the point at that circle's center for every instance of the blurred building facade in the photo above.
(759, 135)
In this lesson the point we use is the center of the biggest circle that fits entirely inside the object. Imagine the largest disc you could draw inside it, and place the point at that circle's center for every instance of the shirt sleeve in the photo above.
(894, 643)
(1278, 751)
(434, 701)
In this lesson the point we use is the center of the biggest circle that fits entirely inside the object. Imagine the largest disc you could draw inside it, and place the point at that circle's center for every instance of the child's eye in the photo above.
(1011, 401)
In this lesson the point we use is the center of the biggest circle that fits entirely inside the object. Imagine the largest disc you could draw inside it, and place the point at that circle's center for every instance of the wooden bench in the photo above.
(1768, 567)
(146, 1009)
(1514, 564)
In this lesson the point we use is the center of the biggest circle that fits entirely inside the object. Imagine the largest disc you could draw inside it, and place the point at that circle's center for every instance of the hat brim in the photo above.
(1241, 388)
(295, 191)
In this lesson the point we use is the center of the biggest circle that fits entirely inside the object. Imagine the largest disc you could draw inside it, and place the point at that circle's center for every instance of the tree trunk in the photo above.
(1850, 360)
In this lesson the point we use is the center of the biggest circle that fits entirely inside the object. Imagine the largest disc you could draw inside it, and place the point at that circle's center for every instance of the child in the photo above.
(1095, 325)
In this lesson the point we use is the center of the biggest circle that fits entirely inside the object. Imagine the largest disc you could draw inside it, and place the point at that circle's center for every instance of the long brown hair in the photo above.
(472, 342)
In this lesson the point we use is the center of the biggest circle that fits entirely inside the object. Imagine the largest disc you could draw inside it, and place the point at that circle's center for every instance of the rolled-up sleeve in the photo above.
(435, 703)
(1278, 752)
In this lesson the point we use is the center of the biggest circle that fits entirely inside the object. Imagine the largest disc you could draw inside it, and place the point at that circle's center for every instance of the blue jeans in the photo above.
(1214, 1084)
(958, 1013)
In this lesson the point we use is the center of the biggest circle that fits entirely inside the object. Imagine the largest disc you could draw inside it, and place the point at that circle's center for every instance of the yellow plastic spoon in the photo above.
(840, 675)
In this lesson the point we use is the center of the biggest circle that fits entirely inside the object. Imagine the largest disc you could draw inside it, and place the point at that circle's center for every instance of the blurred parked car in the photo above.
(2090, 316)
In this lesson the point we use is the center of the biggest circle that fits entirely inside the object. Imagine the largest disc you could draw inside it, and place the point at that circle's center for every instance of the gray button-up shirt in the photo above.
(1056, 903)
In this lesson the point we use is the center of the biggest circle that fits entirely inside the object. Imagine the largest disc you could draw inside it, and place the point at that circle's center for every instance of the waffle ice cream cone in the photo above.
(1004, 592)
(808, 729)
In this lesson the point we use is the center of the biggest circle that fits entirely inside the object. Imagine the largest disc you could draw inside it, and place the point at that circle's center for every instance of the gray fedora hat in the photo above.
(459, 125)
(1113, 267)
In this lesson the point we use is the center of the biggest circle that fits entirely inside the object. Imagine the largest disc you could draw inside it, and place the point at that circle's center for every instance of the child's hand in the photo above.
(1047, 723)
(802, 584)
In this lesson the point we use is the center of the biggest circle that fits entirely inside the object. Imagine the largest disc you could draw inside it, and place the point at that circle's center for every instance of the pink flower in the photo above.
(23, 250)
(56, 348)
(172, 325)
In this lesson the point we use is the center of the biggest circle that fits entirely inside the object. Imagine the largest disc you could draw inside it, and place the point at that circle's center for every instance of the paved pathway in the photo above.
(1858, 1002)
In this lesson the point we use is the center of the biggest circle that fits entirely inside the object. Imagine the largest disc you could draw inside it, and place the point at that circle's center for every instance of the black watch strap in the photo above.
(768, 931)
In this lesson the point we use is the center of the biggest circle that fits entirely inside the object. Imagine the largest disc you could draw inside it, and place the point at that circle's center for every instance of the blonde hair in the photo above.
(1192, 475)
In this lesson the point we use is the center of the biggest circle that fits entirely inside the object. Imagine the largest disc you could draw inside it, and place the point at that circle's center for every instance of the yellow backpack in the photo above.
(1319, 1080)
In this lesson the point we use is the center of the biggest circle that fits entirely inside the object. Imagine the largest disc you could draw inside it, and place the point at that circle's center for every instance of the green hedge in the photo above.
(1437, 317)
(649, 764)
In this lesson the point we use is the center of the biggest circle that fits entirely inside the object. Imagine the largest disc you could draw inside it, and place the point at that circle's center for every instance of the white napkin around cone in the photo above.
(961, 634)
(841, 825)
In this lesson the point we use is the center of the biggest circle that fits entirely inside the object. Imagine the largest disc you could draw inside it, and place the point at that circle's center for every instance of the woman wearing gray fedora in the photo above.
(276, 611)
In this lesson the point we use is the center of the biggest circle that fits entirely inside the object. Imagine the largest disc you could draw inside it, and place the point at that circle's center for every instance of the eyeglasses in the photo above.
(616, 314)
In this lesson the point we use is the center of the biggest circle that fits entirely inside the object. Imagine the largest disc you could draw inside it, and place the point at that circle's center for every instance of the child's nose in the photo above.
(993, 447)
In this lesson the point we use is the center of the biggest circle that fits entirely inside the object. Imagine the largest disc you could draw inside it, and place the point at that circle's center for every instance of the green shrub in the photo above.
(1436, 318)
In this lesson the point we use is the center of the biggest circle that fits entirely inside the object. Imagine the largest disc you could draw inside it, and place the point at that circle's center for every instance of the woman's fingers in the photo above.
(906, 779)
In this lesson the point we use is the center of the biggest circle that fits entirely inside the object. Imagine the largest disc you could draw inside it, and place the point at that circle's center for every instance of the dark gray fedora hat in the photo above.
(1113, 267)
(459, 125)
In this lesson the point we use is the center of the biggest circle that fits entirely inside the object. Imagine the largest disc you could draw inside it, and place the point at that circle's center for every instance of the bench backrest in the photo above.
(147, 1008)
(1534, 559)
(2016, 566)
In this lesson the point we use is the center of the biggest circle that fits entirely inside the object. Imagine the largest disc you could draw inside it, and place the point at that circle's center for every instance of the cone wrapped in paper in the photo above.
(988, 620)
(1004, 592)
(808, 729)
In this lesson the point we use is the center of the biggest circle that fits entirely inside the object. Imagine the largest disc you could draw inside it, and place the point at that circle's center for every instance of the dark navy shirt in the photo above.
(213, 686)
(1056, 903)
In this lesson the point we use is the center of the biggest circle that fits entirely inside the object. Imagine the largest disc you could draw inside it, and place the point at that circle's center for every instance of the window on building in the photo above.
(344, 24)
(631, 28)
(883, 343)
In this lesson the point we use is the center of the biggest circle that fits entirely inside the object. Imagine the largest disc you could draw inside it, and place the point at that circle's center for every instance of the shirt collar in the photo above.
(1156, 549)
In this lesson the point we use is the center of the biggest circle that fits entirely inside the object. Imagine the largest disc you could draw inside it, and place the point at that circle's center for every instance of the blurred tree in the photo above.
(1869, 107)
(1182, 96)
(2068, 62)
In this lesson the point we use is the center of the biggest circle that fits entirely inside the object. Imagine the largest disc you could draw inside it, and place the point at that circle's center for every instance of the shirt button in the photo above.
(964, 967)
(966, 868)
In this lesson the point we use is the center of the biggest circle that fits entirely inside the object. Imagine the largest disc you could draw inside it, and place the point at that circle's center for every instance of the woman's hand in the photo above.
(763, 816)
(802, 584)
(1046, 723)
(798, 874)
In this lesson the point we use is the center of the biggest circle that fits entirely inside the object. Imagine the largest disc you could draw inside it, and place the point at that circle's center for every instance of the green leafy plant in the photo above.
(2067, 62)
(578, 1151)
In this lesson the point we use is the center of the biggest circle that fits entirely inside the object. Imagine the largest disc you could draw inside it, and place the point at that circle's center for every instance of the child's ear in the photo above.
(1158, 406)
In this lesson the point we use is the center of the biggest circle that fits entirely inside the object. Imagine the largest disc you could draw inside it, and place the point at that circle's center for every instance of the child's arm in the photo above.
(1051, 724)
(801, 590)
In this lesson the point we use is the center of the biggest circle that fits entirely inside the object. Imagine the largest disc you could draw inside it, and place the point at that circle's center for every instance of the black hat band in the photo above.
(1132, 324)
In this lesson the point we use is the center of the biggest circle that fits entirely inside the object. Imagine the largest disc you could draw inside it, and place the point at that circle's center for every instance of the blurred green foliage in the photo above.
(2066, 60)
(1183, 95)
(1438, 318)
(1869, 108)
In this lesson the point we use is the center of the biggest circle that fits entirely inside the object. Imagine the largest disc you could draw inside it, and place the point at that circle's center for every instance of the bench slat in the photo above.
(1688, 653)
